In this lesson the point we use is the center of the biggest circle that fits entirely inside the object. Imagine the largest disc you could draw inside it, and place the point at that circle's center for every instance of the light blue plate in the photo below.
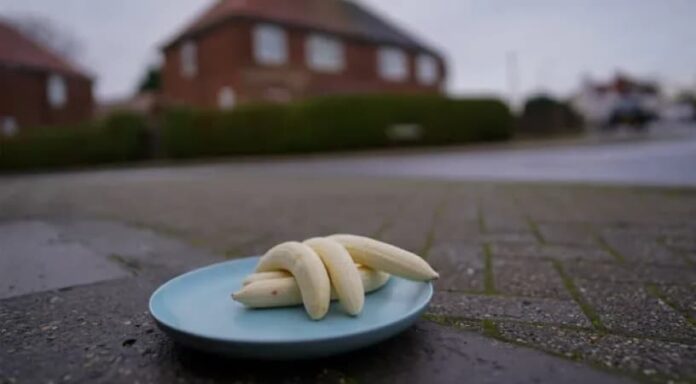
(196, 310)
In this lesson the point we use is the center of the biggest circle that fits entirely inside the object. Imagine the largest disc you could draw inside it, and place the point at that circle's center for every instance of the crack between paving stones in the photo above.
(490, 328)
(655, 291)
(586, 308)
(488, 281)
(609, 249)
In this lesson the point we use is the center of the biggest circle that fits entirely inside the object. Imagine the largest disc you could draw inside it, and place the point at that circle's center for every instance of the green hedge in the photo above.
(333, 123)
(118, 138)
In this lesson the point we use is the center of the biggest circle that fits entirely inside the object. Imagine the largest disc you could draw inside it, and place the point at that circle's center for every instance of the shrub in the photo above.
(118, 138)
(544, 115)
(334, 123)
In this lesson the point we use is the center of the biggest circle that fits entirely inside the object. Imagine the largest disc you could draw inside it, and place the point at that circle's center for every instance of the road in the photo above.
(666, 161)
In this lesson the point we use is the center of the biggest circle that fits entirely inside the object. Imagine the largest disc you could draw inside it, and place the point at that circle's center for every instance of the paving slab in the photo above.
(536, 310)
(550, 251)
(461, 266)
(628, 272)
(528, 278)
(648, 359)
(134, 228)
(68, 327)
(630, 308)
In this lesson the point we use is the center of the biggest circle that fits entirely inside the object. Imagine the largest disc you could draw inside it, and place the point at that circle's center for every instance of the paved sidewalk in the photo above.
(584, 282)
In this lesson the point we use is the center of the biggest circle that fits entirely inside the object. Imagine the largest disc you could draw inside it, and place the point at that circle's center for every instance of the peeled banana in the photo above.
(344, 275)
(307, 269)
(319, 270)
(282, 291)
(386, 257)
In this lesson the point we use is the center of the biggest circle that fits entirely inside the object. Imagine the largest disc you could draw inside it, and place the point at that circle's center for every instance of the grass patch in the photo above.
(491, 330)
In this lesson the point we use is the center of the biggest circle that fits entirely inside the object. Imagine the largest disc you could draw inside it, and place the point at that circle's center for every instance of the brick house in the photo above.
(279, 50)
(38, 87)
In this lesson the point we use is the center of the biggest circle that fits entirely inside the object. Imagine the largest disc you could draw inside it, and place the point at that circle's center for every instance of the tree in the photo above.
(545, 115)
(151, 81)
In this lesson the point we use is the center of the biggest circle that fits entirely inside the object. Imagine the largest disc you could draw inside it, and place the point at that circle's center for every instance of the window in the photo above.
(9, 126)
(57, 91)
(226, 98)
(270, 45)
(426, 69)
(324, 53)
(392, 64)
(189, 59)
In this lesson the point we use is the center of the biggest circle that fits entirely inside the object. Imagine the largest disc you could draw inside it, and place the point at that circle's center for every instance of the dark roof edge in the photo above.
(40, 69)
(255, 18)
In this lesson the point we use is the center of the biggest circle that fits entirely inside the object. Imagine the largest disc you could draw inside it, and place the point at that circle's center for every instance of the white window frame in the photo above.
(392, 64)
(56, 91)
(8, 126)
(227, 99)
(189, 59)
(325, 53)
(270, 44)
(427, 71)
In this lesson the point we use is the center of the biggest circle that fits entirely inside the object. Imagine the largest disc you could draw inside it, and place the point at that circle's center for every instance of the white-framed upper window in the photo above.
(8, 126)
(392, 64)
(226, 98)
(325, 53)
(189, 59)
(270, 44)
(426, 69)
(56, 91)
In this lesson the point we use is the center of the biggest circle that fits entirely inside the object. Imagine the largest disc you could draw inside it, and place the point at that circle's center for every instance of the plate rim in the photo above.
(407, 315)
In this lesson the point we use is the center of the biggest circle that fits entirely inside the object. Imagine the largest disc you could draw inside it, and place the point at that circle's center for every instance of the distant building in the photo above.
(601, 103)
(38, 87)
(278, 50)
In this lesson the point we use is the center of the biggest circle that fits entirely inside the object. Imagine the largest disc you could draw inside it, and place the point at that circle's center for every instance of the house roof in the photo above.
(336, 16)
(19, 51)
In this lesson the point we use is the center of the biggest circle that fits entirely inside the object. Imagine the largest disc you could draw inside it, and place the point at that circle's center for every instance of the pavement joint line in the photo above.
(534, 227)
(444, 319)
(655, 291)
(490, 329)
(388, 222)
(586, 308)
(131, 265)
(480, 218)
(498, 294)
(662, 241)
(489, 282)
(430, 236)
(609, 249)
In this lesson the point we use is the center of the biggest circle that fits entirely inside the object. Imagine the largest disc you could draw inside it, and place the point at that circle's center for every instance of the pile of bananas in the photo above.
(322, 269)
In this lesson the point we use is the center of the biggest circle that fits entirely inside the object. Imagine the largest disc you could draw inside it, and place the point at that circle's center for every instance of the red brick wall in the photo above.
(24, 98)
(225, 58)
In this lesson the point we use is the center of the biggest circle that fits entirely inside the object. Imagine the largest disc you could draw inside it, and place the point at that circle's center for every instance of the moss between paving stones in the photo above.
(491, 329)
(489, 283)
(579, 299)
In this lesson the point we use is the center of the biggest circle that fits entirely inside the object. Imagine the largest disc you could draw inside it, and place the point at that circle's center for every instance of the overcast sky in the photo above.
(555, 42)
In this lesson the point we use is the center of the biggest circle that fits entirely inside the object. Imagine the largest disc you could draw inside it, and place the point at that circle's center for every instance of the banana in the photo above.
(308, 271)
(265, 276)
(386, 257)
(270, 292)
(344, 275)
